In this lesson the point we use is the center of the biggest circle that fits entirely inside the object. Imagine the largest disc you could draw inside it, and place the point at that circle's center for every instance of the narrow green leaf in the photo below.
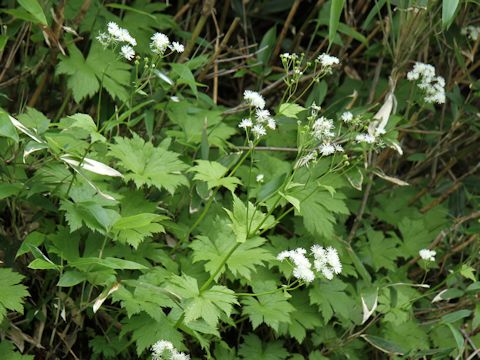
(383, 345)
(34, 8)
(335, 13)
(449, 8)
(71, 278)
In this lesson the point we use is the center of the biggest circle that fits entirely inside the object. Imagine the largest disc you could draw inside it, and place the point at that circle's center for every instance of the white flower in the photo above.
(338, 148)
(176, 355)
(365, 138)
(302, 266)
(305, 160)
(115, 34)
(260, 178)
(346, 117)
(245, 123)
(326, 261)
(322, 128)
(127, 52)
(159, 348)
(328, 62)
(254, 99)
(262, 115)
(427, 255)
(326, 149)
(175, 99)
(159, 43)
(259, 131)
(176, 46)
(271, 123)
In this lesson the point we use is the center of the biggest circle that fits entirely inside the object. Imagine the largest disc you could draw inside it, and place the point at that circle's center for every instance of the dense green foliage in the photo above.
(147, 194)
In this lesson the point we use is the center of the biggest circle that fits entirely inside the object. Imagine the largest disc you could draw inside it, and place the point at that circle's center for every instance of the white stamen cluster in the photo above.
(177, 47)
(326, 262)
(326, 149)
(328, 62)
(114, 35)
(433, 86)
(471, 32)
(245, 123)
(346, 117)
(260, 178)
(163, 350)
(365, 138)
(427, 255)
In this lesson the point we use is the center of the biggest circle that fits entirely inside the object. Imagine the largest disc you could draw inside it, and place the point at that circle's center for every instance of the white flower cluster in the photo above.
(115, 34)
(433, 86)
(427, 255)
(471, 32)
(328, 62)
(263, 118)
(346, 117)
(365, 138)
(160, 42)
(326, 262)
(322, 130)
(163, 346)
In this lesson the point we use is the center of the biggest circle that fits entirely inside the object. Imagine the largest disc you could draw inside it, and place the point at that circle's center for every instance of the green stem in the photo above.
(219, 268)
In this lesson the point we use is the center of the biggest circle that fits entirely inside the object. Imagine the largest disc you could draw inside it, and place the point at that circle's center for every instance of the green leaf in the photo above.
(334, 19)
(243, 262)
(34, 8)
(332, 299)
(290, 110)
(242, 226)
(109, 262)
(134, 229)
(7, 189)
(449, 8)
(8, 353)
(458, 337)
(149, 165)
(71, 278)
(318, 207)
(267, 45)
(34, 120)
(305, 317)
(3, 42)
(101, 67)
(213, 173)
(185, 76)
(254, 348)
(271, 309)
(467, 272)
(383, 345)
(147, 331)
(6, 127)
(12, 294)
(456, 315)
(90, 213)
(208, 305)
(42, 264)
(82, 80)
(379, 251)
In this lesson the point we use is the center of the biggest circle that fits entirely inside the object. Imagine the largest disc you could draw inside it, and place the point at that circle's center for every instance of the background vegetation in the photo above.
(134, 209)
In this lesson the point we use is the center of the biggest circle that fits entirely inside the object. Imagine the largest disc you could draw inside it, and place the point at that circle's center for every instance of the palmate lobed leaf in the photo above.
(208, 305)
(12, 294)
(243, 261)
(149, 165)
(271, 309)
(213, 173)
